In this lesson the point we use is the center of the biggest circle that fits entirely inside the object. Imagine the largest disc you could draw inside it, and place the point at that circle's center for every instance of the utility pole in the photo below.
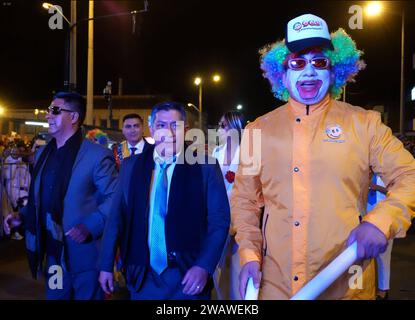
(72, 41)
(90, 73)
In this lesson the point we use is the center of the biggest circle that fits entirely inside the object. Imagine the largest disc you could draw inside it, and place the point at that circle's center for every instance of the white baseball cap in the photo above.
(307, 31)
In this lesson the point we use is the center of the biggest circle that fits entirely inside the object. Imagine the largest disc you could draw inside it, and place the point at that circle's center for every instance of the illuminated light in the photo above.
(2, 111)
(191, 105)
(47, 6)
(198, 81)
(374, 9)
(413, 94)
(36, 123)
(216, 78)
(239, 107)
(37, 112)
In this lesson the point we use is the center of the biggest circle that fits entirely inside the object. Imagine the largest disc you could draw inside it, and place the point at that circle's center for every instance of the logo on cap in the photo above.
(307, 23)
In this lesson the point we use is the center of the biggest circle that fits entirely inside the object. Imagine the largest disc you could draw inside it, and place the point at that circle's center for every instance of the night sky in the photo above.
(180, 39)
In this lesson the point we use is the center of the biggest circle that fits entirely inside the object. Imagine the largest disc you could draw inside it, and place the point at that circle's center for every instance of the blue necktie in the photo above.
(158, 250)
(133, 150)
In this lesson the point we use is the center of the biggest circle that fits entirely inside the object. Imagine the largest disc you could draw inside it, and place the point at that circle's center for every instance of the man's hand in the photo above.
(106, 280)
(370, 241)
(11, 222)
(79, 233)
(249, 270)
(194, 280)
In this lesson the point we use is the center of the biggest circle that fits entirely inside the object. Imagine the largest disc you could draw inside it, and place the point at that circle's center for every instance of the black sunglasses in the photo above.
(55, 110)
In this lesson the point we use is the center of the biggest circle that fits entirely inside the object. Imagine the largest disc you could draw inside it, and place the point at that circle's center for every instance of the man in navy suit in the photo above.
(170, 217)
(69, 200)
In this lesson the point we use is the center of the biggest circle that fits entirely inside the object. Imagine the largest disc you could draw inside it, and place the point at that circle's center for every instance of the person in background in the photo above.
(134, 143)
(230, 128)
(16, 181)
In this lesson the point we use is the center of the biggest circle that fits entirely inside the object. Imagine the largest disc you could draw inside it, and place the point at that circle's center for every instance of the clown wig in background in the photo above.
(345, 63)
(98, 136)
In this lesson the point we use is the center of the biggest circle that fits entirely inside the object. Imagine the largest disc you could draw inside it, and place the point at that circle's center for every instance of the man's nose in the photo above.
(309, 70)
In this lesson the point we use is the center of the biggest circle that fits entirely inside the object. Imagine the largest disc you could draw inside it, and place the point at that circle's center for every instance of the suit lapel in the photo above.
(177, 185)
(80, 155)
(138, 192)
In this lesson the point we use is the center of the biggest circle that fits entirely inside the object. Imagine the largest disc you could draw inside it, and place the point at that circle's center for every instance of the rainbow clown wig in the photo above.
(345, 63)
(97, 136)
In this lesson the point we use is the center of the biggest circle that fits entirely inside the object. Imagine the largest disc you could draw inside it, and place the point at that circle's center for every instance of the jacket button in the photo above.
(295, 278)
(298, 120)
(296, 223)
(296, 169)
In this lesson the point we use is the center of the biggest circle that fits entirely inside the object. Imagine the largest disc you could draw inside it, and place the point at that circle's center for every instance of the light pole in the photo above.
(70, 52)
(70, 59)
(199, 82)
(374, 9)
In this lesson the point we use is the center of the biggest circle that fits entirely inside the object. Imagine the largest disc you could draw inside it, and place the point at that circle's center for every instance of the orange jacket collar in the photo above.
(299, 109)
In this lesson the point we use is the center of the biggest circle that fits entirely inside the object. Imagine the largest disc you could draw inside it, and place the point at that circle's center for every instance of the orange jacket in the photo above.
(313, 181)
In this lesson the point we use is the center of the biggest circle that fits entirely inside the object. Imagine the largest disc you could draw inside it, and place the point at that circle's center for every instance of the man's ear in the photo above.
(75, 117)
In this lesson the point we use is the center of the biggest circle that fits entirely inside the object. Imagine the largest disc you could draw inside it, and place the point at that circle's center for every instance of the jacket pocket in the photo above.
(264, 237)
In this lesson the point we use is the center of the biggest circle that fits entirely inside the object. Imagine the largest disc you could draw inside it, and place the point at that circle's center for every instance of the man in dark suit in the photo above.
(171, 218)
(134, 143)
(69, 200)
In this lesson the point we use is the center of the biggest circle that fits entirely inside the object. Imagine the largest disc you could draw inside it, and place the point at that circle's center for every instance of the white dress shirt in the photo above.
(139, 146)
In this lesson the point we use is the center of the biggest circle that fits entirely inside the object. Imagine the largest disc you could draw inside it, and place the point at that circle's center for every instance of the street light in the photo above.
(191, 105)
(374, 9)
(239, 107)
(70, 55)
(47, 6)
(198, 81)
(70, 63)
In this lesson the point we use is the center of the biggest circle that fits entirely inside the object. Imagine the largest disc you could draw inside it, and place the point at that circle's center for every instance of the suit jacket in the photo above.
(87, 201)
(122, 152)
(197, 221)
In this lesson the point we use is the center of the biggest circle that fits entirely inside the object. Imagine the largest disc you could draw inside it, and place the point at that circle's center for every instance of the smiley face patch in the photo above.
(334, 131)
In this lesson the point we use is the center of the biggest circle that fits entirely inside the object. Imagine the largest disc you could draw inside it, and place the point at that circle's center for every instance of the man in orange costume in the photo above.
(312, 181)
